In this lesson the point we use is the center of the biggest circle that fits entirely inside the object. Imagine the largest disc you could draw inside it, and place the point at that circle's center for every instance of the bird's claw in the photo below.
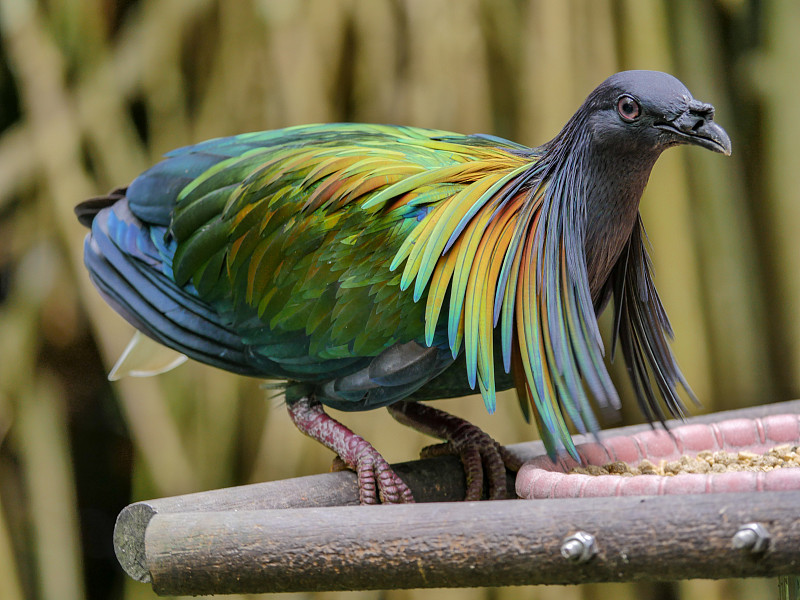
(377, 482)
(337, 464)
(373, 470)
(483, 459)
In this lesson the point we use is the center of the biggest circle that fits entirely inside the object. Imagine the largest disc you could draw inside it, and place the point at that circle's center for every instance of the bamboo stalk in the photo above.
(10, 585)
(722, 228)
(44, 449)
(773, 77)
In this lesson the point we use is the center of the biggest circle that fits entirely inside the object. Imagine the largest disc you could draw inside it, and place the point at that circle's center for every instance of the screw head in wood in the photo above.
(752, 537)
(580, 547)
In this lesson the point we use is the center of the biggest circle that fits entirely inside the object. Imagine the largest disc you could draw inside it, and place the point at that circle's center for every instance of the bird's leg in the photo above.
(376, 480)
(479, 453)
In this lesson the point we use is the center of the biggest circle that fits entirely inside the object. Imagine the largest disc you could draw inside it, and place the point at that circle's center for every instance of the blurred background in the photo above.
(93, 92)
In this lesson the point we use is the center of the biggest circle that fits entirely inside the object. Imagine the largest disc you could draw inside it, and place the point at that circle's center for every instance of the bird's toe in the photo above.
(483, 459)
(378, 483)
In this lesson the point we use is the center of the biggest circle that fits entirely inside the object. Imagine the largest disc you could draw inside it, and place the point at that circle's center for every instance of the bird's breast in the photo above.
(608, 229)
(616, 184)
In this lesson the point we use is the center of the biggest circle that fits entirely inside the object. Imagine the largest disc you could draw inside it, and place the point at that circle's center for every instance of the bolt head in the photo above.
(580, 547)
(752, 537)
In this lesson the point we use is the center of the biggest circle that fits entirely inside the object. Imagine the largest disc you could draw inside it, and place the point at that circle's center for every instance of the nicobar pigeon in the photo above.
(375, 265)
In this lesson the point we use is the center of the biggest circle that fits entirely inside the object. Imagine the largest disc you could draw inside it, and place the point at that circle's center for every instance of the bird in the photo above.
(371, 266)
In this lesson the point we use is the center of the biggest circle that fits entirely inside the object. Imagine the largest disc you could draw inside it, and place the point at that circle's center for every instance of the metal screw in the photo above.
(752, 537)
(580, 547)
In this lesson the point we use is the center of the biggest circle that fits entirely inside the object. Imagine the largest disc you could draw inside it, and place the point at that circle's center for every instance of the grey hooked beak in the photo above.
(696, 126)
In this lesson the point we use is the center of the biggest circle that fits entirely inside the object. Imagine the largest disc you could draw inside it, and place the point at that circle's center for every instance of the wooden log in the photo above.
(507, 542)
(432, 480)
(439, 479)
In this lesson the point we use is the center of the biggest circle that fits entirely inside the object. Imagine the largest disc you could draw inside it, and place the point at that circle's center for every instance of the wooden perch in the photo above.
(298, 535)
(509, 542)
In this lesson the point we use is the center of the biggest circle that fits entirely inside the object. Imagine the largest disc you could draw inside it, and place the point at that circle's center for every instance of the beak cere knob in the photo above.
(695, 117)
(696, 126)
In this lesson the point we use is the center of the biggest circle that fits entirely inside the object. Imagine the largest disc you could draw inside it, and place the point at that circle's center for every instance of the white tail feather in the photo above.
(144, 357)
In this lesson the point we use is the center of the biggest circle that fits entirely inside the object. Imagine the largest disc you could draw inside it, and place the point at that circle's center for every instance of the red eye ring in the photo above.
(628, 108)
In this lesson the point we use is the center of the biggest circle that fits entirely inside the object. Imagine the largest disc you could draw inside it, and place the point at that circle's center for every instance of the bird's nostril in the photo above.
(698, 124)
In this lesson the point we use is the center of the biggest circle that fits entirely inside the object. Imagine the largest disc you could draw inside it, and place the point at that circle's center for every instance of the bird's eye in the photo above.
(628, 108)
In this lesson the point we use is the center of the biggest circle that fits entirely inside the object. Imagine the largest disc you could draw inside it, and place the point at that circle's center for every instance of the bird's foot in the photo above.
(372, 469)
(483, 458)
(377, 482)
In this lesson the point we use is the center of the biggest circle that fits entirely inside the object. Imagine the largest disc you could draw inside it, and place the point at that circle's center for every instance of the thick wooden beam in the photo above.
(144, 525)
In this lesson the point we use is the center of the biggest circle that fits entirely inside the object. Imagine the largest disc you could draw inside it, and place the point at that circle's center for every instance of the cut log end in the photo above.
(129, 534)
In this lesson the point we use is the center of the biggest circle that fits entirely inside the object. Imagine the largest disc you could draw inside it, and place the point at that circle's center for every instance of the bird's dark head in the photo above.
(649, 111)
(602, 158)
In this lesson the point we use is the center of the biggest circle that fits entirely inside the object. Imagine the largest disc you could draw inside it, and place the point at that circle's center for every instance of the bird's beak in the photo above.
(696, 126)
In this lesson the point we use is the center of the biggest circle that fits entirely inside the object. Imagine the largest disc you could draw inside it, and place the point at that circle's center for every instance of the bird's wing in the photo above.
(296, 239)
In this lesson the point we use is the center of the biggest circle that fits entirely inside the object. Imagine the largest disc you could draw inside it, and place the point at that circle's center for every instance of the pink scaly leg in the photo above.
(479, 453)
(376, 480)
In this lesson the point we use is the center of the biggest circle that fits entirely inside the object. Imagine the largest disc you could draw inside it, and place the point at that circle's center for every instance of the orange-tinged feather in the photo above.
(438, 290)
(292, 161)
(461, 280)
(369, 183)
(235, 246)
(259, 274)
(383, 165)
(324, 192)
(262, 305)
(272, 171)
(511, 300)
(489, 261)
(527, 320)
(241, 214)
(477, 323)
(416, 241)
(458, 173)
(452, 213)
(332, 165)
(521, 382)
(252, 270)
(402, 201)
(459, 335)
